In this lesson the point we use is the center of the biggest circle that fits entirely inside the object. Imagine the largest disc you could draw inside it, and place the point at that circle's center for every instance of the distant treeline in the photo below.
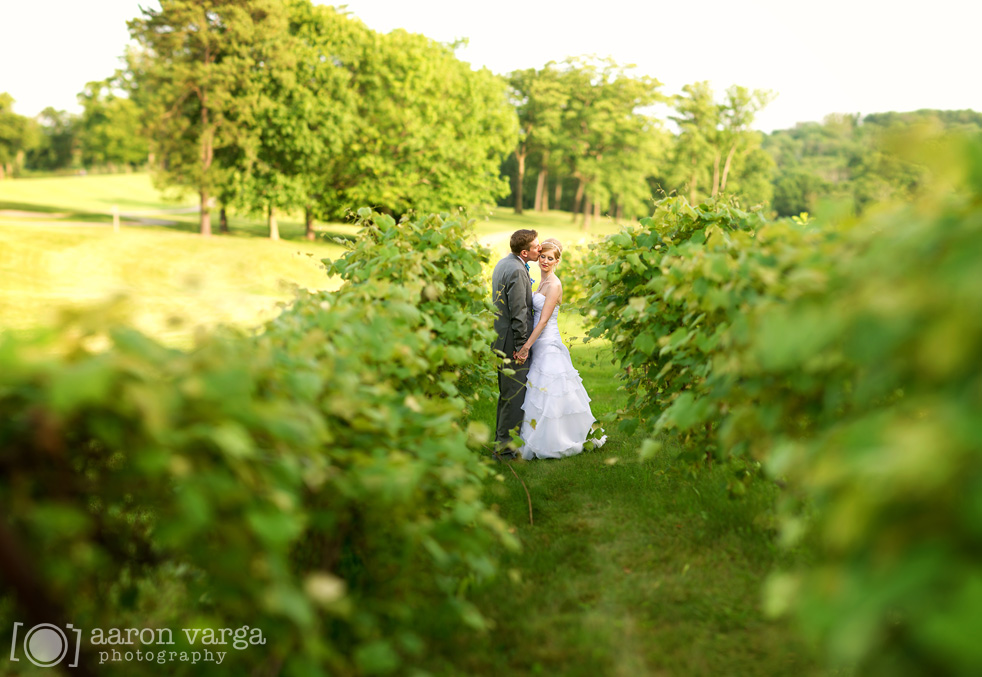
(106, 135)
(859, 160)
(852, 160)
(269, 106)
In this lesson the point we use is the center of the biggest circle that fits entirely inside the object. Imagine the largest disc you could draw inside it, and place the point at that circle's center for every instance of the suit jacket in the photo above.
(511, 291)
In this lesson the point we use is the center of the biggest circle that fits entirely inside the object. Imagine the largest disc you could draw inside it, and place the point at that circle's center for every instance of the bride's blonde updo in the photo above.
(552, 244)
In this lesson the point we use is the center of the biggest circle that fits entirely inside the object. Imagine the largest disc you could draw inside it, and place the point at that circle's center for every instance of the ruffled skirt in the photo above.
(558, 419)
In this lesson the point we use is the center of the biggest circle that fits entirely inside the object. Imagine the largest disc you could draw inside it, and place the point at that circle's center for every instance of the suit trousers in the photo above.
(511, 397)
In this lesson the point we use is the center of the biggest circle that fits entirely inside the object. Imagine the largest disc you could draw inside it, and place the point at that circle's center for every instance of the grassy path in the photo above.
(631, 568)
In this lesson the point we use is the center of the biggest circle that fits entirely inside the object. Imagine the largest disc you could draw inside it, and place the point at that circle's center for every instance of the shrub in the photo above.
(674, 295)
(311, 480)
(847, 361)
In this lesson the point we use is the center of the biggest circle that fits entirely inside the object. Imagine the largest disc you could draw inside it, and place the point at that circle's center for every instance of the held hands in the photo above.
(522, 354)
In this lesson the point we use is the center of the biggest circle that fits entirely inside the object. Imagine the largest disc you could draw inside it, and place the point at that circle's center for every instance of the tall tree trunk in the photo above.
(587, 210)
(692, 183)
(596, 210)
(222, 220)
(618, 212)
(578, 198)
(520, 188)
(726, 167)
(558, 199)
(205, 212)
(274, 227)
(715, 175)
(1, 172)
(308, 217)
(541, 199)
(207, 155)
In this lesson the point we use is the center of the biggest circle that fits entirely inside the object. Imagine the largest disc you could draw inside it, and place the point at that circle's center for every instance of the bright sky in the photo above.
(844, 56)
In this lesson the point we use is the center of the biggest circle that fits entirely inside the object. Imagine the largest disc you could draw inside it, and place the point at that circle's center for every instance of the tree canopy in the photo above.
(855, 160)
(109, 127)
(18, 134)
(197, 76)
(280, 107)
(430, 133)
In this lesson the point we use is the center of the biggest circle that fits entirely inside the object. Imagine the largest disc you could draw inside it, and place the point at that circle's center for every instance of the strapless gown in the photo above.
(558, 419)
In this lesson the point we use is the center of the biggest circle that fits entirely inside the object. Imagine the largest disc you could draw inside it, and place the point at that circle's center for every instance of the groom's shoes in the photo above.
(504, 452)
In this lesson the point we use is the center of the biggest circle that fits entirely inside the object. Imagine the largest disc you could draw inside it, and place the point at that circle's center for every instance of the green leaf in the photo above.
(645, 342)
(649, 448)
(622, 240)
(77, 385)
(275, 528)
(233, 440)
(376, 658)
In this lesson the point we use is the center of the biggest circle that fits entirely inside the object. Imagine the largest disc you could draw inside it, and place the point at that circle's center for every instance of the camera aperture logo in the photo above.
(47, 645)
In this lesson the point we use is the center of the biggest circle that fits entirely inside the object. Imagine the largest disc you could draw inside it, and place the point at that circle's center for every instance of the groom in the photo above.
(511, 291)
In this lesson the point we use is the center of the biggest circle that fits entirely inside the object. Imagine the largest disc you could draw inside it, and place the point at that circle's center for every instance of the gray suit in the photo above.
(511, 291)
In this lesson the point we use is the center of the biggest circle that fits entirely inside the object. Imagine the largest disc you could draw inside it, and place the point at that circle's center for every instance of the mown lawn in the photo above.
(495, 230)
(58, 252)
(81, 196)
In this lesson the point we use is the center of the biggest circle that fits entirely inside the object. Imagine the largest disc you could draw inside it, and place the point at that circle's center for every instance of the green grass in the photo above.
(58, 253)
(91, 199)
(174, 282)
(495, 230)
(631, 568)
(96, 194)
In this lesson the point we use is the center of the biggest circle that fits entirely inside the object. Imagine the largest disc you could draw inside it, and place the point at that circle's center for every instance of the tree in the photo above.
(109, 131)
(430, 132)
(18, 134)
(636, 157)
(328, 44)
(857, 161)
(539, 98)
(287, 152)
(738, 114)
(752, 176)
(796, 191)
(195, 78)
(57, 143)
(713, 135)
(603, 127)
(698, 118)
(258, 158)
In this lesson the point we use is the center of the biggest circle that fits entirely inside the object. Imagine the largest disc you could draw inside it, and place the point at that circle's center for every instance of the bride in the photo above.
(557, 419)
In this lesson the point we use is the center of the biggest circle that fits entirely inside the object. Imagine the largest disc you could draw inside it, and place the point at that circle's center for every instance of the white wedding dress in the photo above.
(555, 399)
